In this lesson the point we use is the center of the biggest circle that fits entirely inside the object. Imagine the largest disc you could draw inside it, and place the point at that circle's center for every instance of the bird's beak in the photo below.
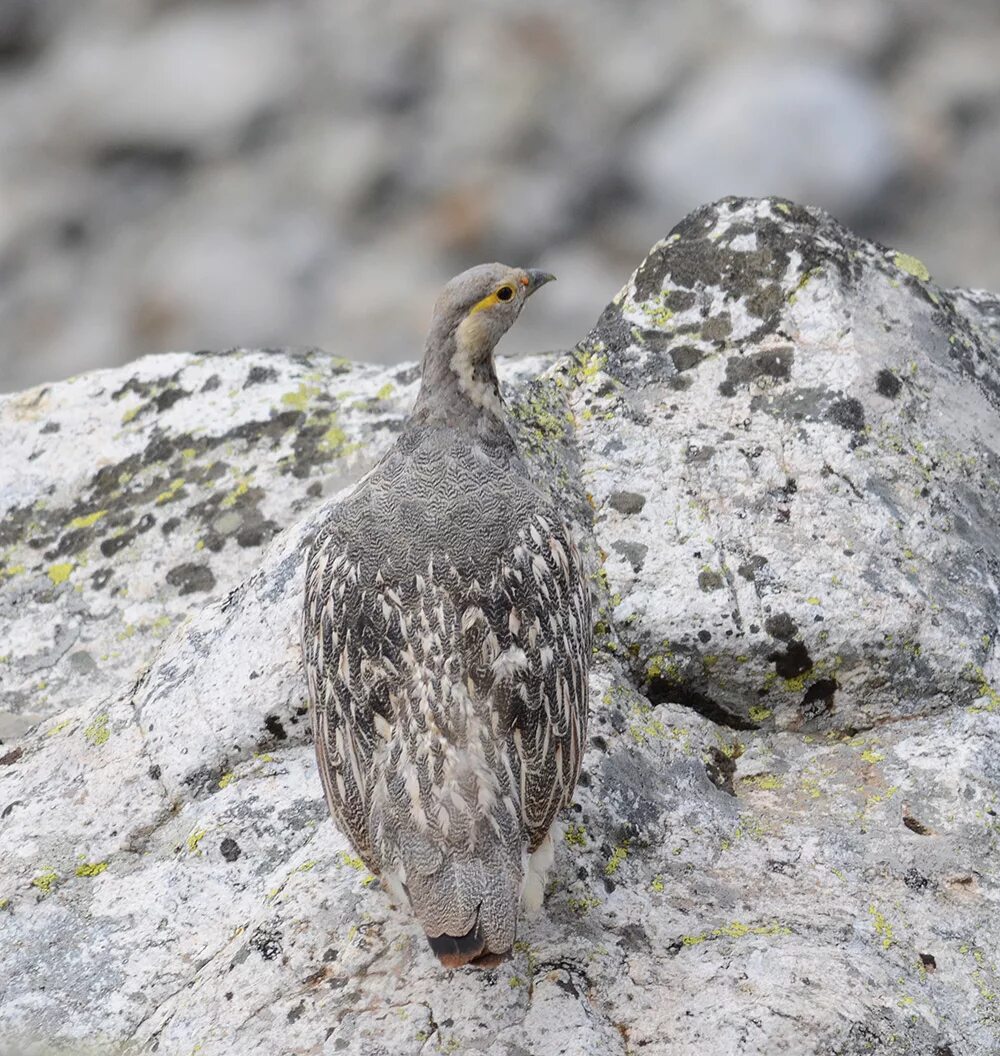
(537, 279)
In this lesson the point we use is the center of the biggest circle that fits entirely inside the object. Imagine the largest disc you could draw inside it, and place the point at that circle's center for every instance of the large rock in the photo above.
(794, 446)
(810, 883)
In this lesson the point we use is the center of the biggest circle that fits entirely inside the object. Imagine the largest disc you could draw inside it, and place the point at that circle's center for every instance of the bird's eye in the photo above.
(505, 293)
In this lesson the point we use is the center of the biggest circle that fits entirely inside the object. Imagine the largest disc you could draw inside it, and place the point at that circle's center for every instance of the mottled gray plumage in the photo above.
(447, 634)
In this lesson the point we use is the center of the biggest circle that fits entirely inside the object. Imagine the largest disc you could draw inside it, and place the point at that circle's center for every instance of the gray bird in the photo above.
(447, 635)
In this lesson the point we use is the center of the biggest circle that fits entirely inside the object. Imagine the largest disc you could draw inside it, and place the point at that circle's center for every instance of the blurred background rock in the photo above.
(207, 174)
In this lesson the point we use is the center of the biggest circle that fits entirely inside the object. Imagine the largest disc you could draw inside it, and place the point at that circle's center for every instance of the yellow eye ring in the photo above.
(505, 293)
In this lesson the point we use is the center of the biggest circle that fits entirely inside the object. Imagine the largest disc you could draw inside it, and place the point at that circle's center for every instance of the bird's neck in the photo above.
(459, 386)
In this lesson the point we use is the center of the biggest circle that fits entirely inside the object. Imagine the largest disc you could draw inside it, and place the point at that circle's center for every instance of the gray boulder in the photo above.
(793, 446)
(743, 869)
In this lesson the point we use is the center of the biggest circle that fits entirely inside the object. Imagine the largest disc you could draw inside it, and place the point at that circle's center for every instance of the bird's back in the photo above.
(447, 632)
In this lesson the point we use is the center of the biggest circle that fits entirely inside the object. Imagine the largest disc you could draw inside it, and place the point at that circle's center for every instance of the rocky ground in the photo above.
(184, 175)
(786, 835)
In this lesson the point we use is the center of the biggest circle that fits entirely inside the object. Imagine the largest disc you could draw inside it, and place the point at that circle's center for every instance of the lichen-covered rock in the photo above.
(809, 431)
(171, 883)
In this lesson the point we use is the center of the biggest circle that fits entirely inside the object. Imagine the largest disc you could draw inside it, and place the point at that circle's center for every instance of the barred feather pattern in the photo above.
(447, 635)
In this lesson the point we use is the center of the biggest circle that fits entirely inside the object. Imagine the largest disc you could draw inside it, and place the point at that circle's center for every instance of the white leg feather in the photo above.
(537, 869)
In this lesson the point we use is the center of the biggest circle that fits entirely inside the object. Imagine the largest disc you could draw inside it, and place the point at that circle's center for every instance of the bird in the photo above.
(446, 637)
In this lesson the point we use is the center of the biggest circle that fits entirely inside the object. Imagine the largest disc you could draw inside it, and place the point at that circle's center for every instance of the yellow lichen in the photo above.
(45, 881)
(987, 692)
(618, 855)
(59, 573)
(91, 868)
(583, 905)
(763, 782)
(97, 733)
(758, 713)
(299, 399)
(333, 439)
(657, 885)
(736, 929)
(575, 835)
(235, 495)
(227, 779)
(167, 496)
(194, 839)
(912, 266)
(883, 929)
(88, 520)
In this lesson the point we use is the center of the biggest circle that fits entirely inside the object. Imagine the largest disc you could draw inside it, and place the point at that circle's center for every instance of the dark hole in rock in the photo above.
(275, 728)
(721, 769)
(915, 826)
(823, 689)
(659, 690)
(792, 661)
(928, 961)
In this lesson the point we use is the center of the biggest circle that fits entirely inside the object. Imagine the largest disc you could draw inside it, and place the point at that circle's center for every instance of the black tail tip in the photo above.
(455, 950)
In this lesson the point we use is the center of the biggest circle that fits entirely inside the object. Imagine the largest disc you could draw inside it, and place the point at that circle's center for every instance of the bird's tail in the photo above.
(466, 902)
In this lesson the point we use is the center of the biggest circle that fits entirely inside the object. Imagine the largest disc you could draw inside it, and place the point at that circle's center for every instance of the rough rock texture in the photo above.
(814, 430)
(765, 394)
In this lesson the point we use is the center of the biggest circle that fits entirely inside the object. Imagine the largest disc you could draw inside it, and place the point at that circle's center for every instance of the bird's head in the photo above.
(474, 310)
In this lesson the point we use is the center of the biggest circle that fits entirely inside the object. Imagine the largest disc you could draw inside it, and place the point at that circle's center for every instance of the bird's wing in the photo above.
(543, 634)
(342, 627)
